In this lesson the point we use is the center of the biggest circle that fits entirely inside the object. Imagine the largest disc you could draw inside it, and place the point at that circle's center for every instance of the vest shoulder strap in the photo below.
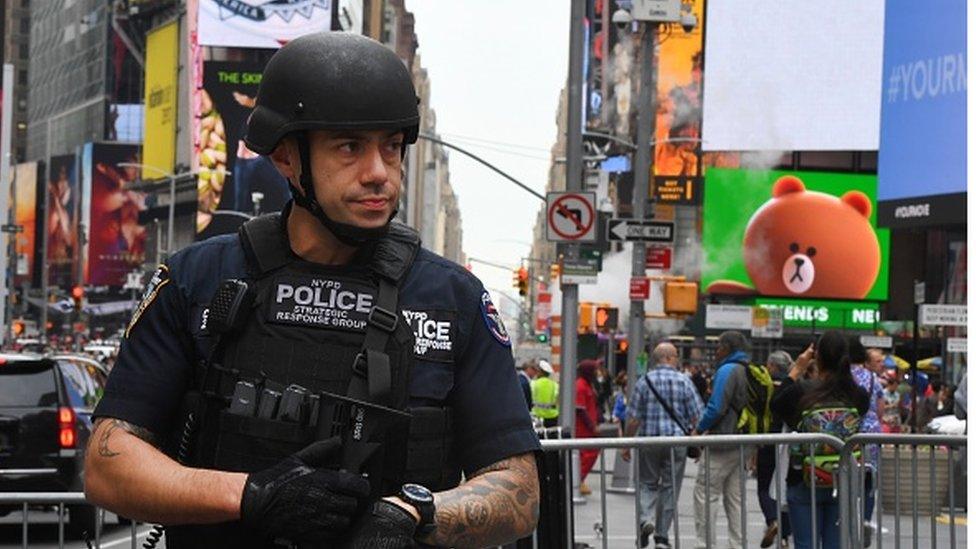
(265, 245)
(394, 254)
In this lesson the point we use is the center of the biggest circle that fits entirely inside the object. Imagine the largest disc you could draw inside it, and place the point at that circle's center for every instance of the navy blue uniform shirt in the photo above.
(463, 355)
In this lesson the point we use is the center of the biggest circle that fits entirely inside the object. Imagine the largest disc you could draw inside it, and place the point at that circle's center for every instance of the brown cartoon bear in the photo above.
(804, 243)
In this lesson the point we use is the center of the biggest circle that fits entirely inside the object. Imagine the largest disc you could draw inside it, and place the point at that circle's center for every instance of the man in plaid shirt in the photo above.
(648, 417)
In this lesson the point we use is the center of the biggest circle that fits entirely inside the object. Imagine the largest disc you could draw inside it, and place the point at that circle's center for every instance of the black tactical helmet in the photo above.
(332, 80)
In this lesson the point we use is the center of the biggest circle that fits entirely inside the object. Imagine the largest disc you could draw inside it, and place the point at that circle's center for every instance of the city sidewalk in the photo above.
(622, 518)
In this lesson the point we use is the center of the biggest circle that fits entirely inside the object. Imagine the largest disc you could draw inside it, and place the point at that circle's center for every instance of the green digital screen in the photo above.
(793, 234)
(817, 314)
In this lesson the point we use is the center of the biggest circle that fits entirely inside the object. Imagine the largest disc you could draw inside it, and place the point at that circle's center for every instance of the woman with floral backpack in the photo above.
(828, 402)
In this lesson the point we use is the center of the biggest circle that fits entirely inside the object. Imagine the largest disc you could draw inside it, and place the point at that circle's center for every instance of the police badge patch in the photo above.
(159, 279)
(493, 319)
(433, 334)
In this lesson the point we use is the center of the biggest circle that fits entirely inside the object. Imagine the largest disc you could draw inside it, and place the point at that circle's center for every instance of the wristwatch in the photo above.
(423, 501)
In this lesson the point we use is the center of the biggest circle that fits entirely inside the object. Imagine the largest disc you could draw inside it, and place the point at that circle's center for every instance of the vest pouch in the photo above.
(430, 449)
(246, 444)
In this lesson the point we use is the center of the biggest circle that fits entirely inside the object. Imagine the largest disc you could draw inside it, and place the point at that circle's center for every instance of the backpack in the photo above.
(820, 466)
(755, 416)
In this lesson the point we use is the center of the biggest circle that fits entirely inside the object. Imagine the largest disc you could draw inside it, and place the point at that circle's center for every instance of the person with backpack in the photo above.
(730, 396)
(829, 402)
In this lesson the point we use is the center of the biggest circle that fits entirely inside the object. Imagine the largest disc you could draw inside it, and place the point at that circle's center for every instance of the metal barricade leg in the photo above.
(742, 494)
(23, 527)
(636, 457)
(709, 526)
(603, 498)
(133, 534)
(914, 496)
(814, 540)
(932, 491)
(952, 501)
(61, 525)
(778, 475)
(676, 478)
(897, 496)
(878, 527)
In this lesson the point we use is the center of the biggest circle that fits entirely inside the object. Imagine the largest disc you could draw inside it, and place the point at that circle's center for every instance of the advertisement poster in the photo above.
(261, 23)
(793, 234)
(62, 221)
(162, 59)
(231, 176)
(25, 216)
(116, 240)
(923, 115)
(680, 66)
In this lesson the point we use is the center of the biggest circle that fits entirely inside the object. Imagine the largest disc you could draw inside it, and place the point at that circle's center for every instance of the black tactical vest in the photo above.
(337, 335)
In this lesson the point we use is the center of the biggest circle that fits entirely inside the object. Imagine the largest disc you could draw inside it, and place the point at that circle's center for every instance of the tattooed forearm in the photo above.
(498, 504)
(104, 427)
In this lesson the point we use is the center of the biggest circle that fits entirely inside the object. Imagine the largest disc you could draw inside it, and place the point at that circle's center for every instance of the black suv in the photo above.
(46, 405)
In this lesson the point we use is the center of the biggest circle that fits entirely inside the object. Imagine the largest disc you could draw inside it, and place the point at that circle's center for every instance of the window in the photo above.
(24, 25)
(28, 385)
(22, 77)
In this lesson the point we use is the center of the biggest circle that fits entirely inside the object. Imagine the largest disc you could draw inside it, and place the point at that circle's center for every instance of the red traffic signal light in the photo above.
(77, 295)
(523, 281)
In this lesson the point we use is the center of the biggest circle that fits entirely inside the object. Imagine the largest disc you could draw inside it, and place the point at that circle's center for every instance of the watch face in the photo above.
(417, 492)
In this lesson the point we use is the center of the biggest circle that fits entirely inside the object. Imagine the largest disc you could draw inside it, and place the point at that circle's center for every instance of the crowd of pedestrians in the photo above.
(834, 386)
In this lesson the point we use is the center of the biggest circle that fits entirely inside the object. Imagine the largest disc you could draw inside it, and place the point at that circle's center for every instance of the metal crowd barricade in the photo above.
(27, 500)
(708, 443)
(941, 449)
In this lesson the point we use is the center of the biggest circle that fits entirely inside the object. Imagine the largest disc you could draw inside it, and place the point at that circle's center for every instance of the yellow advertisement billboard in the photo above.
(680, 66)
(162, 60)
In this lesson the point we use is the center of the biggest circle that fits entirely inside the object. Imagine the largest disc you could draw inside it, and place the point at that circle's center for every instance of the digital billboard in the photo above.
(794, 75)
(62, 220)
(162, 61)
(229, 173)
(116, 240)
(922, 155)
(24, 193)
(793, 234)
(260, 23)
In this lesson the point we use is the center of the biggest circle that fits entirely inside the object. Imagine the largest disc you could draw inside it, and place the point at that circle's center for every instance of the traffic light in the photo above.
(606, 318)
(77, 295)
(523, 281)
(554, 271)
(18, 328)
(680, 298)
(542, 338)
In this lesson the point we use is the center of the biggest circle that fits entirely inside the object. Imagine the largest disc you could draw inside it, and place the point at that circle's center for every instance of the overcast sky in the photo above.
(496, 69)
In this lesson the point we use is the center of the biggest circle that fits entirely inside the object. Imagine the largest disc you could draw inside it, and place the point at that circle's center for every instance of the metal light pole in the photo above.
(9, 267)
(172, 197)
(643, 164)
(574, 182)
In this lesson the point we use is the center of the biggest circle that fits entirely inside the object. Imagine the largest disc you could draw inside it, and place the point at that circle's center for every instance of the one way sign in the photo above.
(632, 230)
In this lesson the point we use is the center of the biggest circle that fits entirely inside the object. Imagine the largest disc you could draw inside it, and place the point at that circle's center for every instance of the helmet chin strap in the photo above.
(349, 235)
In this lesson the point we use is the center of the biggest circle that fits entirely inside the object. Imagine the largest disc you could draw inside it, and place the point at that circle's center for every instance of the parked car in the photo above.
(46, 405)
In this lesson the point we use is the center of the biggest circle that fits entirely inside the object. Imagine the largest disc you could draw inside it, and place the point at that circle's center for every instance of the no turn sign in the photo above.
(570, 217)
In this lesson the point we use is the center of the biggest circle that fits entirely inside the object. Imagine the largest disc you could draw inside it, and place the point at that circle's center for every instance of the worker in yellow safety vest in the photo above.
(545, 395)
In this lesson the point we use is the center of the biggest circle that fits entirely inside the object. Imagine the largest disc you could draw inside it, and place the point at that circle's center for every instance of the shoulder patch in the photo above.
(159, 279)
(493, 320)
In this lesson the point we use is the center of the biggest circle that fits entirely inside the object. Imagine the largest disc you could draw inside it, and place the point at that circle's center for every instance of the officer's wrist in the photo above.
(405, 506)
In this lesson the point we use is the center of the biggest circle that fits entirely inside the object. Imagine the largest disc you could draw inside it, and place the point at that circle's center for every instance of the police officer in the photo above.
(545, 395)
(319, 378)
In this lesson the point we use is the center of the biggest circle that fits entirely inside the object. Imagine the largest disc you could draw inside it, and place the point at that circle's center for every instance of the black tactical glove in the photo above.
(385, 526)
(299, 501)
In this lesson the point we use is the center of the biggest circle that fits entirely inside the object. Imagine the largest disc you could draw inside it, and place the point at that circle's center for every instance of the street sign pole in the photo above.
(574, 182)
(643, 163)
(919, 299)
(9, 268)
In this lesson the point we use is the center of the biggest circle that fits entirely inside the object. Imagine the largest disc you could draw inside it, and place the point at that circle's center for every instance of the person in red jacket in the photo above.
(587, 416)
